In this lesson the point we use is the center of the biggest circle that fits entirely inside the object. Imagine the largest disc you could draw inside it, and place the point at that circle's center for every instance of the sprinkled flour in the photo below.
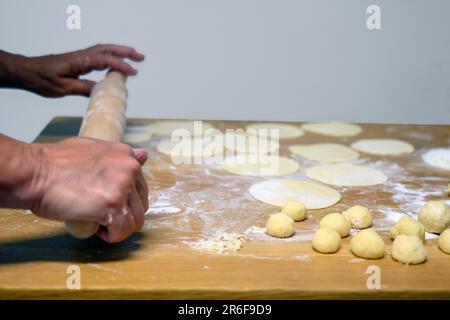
(221, 242)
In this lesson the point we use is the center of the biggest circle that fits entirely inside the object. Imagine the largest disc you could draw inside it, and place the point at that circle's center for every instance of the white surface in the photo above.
(247, 59)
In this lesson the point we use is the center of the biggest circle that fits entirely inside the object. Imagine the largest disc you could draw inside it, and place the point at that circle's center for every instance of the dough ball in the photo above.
(408, 226)
(409, 249)
(81, 229)
(280, 225)
(295, 209)
(367, 244)
(435, 216)
(326, 240)
(359, 217)
(336, 221)
(444, 241)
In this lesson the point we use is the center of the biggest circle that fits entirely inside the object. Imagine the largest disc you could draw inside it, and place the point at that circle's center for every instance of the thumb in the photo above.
(81, 87)
(141, 155)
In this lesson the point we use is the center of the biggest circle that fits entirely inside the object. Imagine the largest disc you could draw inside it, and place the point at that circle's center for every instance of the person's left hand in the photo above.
(58, 75)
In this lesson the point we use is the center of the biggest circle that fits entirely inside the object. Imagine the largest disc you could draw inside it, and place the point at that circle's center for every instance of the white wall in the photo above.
(247, 59)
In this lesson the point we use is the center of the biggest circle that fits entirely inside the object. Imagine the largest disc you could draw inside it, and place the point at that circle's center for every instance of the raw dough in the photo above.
(286, 131)
(439, 158)
(359, 217)
(435, 216)
(325, 152)
(135, 136)
(278, 192)
(409, 250)
(167, 127)
(326, 240)
(345, 174)
(336, 221)
(295, 209)
(246, 143)
(280, 225)
(333, 129)
(408, 226)
(367, 244)
(444, 241)
(195, 148)
(260, 165)
(383, 147)
(81, 229)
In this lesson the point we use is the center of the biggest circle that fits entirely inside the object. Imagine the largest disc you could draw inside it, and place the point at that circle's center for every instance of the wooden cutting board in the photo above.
(191, 203)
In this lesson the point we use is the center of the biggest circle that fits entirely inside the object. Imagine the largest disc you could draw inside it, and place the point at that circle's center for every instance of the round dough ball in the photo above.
(367, 244)
(280, 225)
(295, 209)
(336, 221)
(409, 249)
(359, 217)
(408, 226)
(81, 229)
(435, 216)
(444, 241)
(326, 240)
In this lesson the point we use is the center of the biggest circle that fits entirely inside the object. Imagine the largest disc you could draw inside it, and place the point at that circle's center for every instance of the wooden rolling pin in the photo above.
(105, 119)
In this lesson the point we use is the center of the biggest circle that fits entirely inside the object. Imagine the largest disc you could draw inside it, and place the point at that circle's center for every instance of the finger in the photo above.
(103, 61)
(142, 190)
(122, 225)
(141, 155)
(124, 52)
(137, 209)
(80, 87)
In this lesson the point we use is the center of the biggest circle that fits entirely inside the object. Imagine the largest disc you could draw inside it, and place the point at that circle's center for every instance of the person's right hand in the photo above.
(91, 180)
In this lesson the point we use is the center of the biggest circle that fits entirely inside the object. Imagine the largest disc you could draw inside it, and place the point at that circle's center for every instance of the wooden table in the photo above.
(192, 202)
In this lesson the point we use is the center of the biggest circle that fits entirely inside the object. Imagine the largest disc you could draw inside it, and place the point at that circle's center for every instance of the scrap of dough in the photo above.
(334, 129)
(408, 226)
(296, 210)
(325, 152)
(336, 221)
(166, 127)
(444, 241)
(326, 240)
(278, 192)
(435, 216)
(280, 225)
(286, 131)
(367, 244)
(359, 217)
(346, 175)
(177, 148)
(258, 165)
(383, 147)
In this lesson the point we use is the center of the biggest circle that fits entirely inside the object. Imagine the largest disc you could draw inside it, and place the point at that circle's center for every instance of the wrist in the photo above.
(14, 70)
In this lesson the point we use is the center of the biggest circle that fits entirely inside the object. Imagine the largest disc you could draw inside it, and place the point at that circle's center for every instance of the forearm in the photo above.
(18, 170)
(12, 69)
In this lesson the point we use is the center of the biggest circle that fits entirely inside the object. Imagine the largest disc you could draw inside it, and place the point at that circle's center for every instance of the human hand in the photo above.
(58, 75)
(91, 180)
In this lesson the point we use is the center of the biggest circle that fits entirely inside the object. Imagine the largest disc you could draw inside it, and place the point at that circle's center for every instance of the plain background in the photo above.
(246, 59)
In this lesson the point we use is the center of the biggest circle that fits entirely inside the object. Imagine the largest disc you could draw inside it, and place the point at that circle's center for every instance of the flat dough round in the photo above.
(194, 148)
(347, 175)
(333, 129)
(257, 165)
(166, 127)
(384, 147)
(242, 143)
(137, 134)
(286, 131)
(325, 152)
(279, 192)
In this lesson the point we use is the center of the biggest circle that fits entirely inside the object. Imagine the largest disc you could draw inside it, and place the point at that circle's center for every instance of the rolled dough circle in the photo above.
(286, 131)
(243, 143)
(346, 175)
(258, 165)
(167, 127)
(278, 191)
(325, 152)
(383, 147)
(409, 250)
(333, 129)
(439, 158)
